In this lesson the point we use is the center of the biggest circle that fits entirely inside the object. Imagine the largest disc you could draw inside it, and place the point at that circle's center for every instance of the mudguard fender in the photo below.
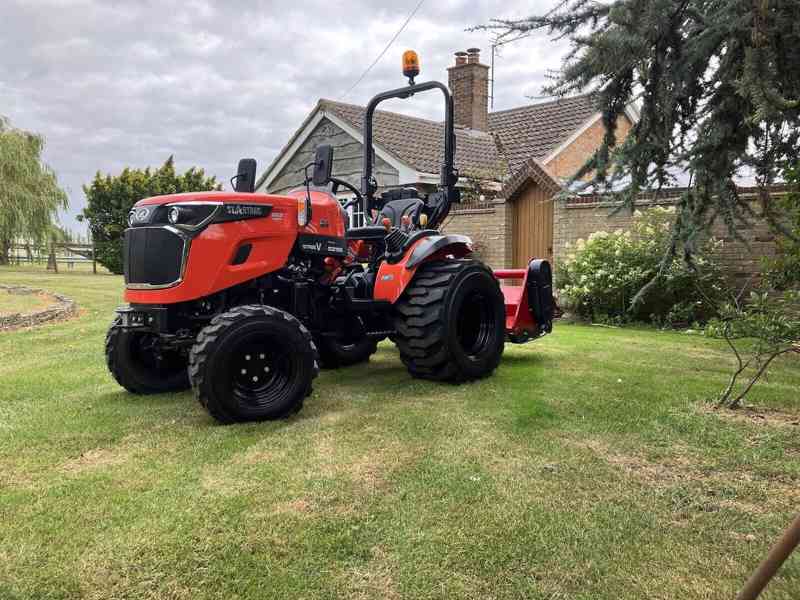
(392, 279)
(433, 244)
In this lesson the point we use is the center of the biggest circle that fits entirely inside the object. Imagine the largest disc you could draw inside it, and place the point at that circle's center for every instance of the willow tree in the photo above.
(29, 192)
(718, 87)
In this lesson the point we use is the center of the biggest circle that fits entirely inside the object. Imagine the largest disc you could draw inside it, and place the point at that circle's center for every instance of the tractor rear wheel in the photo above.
(253, 363)
(450, 321)
(140, 366)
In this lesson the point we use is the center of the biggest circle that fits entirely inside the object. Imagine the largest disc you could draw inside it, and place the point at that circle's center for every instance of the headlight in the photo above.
(190, 215)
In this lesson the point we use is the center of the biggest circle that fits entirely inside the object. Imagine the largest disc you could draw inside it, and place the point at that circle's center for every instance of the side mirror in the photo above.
(246, 176)
(323, 165)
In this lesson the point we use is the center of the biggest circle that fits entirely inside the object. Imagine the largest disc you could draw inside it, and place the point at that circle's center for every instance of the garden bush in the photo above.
(602, 275)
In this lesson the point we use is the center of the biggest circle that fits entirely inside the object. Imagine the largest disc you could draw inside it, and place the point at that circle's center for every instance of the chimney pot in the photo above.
(473, 55)
(461, 58)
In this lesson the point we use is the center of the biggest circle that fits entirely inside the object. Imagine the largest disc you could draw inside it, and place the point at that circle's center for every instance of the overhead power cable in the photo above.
(389, 45)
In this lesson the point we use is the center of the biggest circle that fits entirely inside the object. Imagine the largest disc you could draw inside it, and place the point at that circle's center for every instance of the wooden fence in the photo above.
(60, 253)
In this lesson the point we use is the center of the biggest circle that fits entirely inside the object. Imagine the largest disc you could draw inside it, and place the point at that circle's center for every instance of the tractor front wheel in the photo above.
(138, 364)
(253, 363)
(450, 321)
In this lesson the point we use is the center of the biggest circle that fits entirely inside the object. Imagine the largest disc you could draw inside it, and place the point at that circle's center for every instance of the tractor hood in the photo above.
(181, 247)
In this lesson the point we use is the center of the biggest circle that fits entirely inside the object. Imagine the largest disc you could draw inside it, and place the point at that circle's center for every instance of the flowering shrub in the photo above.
(604, 273)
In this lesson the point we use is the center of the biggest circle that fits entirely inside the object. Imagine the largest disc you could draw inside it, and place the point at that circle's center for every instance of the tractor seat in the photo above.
(395, 210)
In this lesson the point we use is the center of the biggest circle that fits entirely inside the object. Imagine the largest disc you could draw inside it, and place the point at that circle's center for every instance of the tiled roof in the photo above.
(419, 142)
(516, 136)
(532, 170)
(538, 129)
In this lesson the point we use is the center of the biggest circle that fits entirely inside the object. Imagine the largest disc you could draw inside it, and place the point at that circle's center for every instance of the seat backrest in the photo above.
(395, 210)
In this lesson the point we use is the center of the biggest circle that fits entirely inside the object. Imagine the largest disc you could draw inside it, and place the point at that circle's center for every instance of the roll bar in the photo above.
(448, 173)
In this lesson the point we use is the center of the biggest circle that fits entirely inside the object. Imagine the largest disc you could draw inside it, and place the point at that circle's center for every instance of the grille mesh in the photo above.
(152, 255)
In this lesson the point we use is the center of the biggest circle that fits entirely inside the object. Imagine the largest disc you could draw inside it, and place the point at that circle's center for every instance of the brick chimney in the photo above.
(468, 80)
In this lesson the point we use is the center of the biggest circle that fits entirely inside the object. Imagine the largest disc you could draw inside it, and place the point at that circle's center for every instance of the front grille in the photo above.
(153, 256)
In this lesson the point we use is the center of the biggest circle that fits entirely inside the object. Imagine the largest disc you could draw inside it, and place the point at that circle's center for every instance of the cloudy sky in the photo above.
(115, 83)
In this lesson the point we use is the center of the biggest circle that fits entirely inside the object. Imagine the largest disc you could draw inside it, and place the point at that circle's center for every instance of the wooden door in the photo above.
(533, 226)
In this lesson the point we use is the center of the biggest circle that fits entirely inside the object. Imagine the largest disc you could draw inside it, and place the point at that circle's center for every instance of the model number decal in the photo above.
(319, 247)
(325, 245)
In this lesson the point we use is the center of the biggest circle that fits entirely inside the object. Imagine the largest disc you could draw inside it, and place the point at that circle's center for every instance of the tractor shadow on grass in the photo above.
(531, 359)
(146, 402)
(384, 374)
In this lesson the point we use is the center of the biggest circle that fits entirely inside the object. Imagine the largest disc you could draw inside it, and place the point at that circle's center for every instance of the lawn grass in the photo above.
(11, 304)
(588, 467)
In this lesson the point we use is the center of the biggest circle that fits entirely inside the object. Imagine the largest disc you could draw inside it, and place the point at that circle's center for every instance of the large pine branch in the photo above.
(717, 83)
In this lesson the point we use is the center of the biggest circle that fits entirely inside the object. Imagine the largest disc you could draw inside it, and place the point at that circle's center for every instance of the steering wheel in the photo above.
(335, 187)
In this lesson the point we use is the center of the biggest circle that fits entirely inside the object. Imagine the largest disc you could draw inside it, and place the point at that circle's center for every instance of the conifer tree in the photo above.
(717, 83)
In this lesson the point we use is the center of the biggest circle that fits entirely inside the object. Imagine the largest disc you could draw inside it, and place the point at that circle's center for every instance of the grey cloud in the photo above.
(114, 84)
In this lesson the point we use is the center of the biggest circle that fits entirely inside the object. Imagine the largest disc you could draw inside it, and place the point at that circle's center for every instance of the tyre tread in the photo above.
(208, 336)
(421, 323)
(122, 376)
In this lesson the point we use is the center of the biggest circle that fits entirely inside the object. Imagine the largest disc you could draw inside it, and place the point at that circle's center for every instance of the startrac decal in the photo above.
(238, 212)
(322, 244)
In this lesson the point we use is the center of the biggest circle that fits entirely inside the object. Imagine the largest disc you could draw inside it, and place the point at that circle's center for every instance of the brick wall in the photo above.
(572, 158)
(573, 221)
(490, 230)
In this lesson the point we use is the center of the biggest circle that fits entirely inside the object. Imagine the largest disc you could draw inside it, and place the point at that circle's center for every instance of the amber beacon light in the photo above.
(410, 65)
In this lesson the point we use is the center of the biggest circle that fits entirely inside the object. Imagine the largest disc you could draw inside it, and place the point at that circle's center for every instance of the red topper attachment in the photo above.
(529, 305)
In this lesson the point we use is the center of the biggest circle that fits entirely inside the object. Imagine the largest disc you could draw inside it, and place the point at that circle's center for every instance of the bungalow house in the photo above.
(525, 151)
(522, 154)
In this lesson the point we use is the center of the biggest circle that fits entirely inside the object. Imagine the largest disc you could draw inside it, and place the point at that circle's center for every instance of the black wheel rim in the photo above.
(260, 370)
(476, 324)
(147, 356)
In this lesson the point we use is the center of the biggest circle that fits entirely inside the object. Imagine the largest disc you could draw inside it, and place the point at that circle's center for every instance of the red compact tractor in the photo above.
(243, 295)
